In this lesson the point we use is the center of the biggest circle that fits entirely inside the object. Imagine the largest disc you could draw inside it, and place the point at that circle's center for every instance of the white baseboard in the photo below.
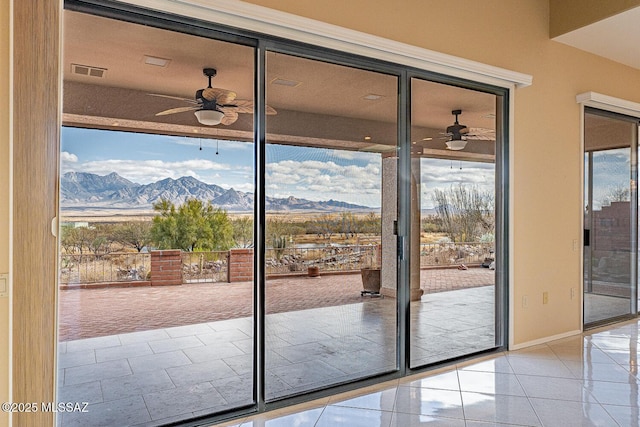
(544, 340)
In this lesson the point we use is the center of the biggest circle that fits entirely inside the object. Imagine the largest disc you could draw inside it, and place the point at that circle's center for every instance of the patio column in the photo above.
(389, 215)
(414, 240)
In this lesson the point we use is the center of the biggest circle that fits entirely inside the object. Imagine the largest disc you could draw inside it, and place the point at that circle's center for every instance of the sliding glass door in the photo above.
(247, 222)
(330, 249)
(156, 305)
(454, 303)
(610, 217)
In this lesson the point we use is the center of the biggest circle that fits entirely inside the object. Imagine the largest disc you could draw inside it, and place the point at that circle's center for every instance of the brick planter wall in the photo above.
(166, 267)
(240, 265)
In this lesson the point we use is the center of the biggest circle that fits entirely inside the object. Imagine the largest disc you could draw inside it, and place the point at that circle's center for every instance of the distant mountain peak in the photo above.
(86, 190)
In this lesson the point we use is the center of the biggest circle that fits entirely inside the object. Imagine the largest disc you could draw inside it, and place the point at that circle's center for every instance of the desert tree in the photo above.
(349, 225)
(192, 226)
(101, 239)
(135, 234)
(618, 193)
(221, 228)
(465, 212)
(326, 225)
(371, 224)
(96, 239)
(276, 226)
(243, 231)
(71, 239)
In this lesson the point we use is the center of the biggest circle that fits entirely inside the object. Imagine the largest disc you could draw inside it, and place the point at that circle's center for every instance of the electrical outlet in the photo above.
(545, 297)
(575, 245)
(525, 301)
(573, 293)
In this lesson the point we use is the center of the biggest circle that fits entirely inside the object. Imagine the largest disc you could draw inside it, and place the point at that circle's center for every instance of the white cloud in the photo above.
(316, 180)
(442, 174)
(66, 157)
(147, 171)
(354, 155)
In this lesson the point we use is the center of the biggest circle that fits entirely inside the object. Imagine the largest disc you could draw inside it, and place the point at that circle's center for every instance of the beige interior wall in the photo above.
(547, 147)
(4, 202)
(569, 15)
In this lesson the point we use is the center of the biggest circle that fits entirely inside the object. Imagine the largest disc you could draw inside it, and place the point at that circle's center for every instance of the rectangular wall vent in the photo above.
(87, 70)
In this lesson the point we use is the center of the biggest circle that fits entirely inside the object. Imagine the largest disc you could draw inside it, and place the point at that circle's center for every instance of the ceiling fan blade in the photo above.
(481, 134)
(191, 101)
(482, 131)
(177, 110)
(241, 106)
(230, 116)
(270, 111)
(480, 137)
(222, 96)
(245, 106)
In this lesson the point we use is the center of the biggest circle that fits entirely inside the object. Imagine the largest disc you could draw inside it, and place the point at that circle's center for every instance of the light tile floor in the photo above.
(158, 376)
(598, 307)
(585, 380)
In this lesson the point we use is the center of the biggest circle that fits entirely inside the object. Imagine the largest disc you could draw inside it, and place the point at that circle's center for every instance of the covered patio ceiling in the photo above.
(110, 72)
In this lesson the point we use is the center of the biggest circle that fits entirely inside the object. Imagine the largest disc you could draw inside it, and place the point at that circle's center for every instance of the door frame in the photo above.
(617, 107)
(503, 318)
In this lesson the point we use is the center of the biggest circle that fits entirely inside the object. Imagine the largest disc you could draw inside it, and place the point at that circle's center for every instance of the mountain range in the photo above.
(82, 189)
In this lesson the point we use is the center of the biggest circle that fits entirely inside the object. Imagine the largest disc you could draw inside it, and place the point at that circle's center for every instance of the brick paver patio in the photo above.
(86, 313)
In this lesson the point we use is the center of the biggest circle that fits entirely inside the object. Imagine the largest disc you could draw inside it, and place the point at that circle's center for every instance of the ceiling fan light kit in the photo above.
(456, 144)
(209, 117)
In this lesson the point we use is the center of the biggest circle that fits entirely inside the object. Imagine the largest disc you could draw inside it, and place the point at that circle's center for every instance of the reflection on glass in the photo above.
(453, 222)
(327, 266)
(608, 210)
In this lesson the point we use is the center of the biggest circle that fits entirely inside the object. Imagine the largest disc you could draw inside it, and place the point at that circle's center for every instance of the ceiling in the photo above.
(320, 104)
(606, 133)
(615, 38)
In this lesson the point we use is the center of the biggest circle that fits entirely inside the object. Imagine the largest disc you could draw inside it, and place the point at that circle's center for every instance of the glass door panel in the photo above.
(610, 218)
(330, 249)
(453, 297)
(156, 305)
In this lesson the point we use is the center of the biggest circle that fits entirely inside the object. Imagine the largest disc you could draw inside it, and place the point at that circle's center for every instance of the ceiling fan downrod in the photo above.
(456, 113)
(210, 73)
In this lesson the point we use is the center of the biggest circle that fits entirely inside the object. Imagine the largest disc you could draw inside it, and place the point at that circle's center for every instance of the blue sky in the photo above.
(302, 172)
(309, 173)
(442, 174)
(146, 158)
(612, 171)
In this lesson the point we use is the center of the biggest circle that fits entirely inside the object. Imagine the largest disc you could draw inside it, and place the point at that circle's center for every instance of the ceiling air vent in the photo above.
(285, 82)
(87, 70)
